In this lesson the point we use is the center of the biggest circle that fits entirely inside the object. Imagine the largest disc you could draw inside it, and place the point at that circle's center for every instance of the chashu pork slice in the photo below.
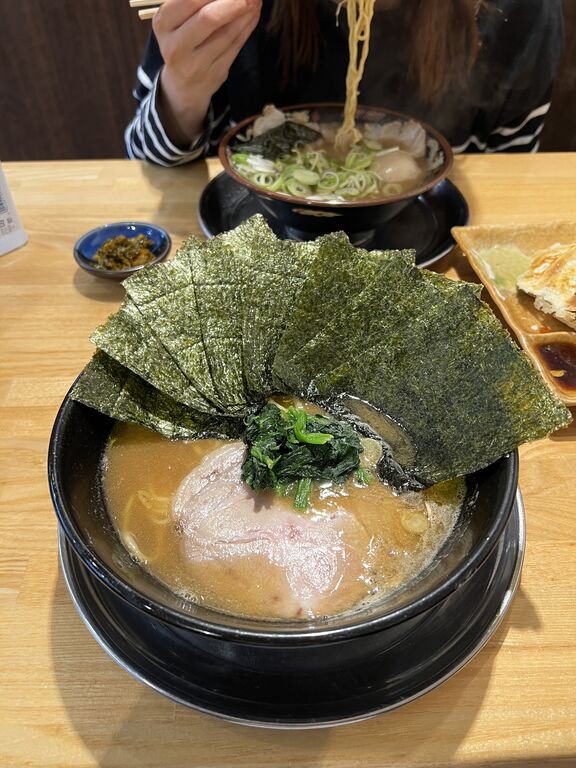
(254, 554)
(551, 279)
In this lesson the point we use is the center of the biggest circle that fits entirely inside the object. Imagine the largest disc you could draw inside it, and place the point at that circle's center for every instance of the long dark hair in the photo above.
(444, 43)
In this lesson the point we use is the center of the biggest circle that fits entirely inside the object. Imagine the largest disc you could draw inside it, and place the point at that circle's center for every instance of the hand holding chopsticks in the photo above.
(198, 41)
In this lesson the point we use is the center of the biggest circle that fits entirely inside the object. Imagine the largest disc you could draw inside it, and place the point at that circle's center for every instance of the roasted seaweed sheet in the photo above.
(430, 354)
(127, 338)
(278, 141)
(218, 277)
(110, 388)
(336, 283)
(166, 300)
(274, 273)
(202, 340)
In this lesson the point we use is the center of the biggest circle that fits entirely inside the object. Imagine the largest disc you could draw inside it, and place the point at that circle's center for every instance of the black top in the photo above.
(501, 107)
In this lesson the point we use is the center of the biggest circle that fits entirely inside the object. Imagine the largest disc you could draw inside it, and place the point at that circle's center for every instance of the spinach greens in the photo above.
(288, 447)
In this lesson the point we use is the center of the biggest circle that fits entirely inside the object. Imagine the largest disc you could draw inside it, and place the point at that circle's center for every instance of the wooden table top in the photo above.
(65, 702)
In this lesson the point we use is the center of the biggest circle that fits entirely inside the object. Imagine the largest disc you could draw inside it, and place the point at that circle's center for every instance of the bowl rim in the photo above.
(276, 633)
(119, 274)
(441, 173)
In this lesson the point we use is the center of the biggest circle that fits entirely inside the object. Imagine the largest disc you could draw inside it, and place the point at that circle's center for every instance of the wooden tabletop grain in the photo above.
(64, 702)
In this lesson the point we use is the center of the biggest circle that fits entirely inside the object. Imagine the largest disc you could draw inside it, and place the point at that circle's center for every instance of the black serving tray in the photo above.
(424, 224)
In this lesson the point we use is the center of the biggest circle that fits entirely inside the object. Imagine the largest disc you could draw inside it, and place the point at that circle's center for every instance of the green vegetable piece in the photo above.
(364, 476)
(283, 489)
(302, 495)
(298, 421)
(278, 457)
(296, 188)
(305, 176)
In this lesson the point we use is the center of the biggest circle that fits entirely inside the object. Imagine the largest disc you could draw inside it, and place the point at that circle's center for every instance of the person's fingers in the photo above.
(215, 33)
(212, 17)
(223, 46)
(222, 63)
(199, 18)
(174, 13)
(228, 40)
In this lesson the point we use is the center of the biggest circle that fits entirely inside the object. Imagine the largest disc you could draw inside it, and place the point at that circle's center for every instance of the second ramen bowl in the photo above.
(307, 219)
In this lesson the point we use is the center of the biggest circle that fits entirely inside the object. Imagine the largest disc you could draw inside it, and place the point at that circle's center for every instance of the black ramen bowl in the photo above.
(306, 219)
(74, 467)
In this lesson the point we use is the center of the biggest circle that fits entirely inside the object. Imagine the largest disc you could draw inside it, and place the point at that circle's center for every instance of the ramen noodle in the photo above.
(359, 14)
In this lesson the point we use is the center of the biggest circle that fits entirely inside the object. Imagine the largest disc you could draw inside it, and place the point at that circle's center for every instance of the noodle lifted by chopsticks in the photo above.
(359, 14)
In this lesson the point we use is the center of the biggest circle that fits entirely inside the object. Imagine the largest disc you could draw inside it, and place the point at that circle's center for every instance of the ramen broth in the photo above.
(388, 159)
(182, 511)
(394, 167)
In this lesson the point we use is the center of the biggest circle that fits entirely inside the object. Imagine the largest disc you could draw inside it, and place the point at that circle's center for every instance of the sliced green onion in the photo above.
(296, 188)
(263, 179)
(363, 476)
(358, 159)
(328, 181)
(305, 176)
(302, 495)
(306, 172)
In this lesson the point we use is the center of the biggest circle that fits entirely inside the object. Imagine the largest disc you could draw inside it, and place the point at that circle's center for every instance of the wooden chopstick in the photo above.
(145, 3)
(147, 13)
(149, 8)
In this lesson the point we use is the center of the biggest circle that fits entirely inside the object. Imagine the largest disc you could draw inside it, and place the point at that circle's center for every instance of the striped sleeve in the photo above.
(145, 137)
(522, 135)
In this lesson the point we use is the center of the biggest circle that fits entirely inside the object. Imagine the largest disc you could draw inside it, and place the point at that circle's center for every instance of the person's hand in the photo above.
(199, 40)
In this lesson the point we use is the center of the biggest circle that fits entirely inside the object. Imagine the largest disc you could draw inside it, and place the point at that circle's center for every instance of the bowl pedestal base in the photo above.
(238, 687)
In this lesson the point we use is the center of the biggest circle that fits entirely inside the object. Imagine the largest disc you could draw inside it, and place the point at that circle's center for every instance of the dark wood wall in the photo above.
(67, 69)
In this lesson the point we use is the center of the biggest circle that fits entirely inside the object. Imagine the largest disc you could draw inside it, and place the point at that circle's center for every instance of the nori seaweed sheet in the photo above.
(127, 338)
(274, 273)
(278, 141)
(330, 320)
(166, 299)
(109, 387)
(153, 283)
(339, 280)
(427, 352)
(335, 263)
(218, 280)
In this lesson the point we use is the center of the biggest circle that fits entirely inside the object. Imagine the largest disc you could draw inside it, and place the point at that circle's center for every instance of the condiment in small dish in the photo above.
(116, 251)
(558, 354)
